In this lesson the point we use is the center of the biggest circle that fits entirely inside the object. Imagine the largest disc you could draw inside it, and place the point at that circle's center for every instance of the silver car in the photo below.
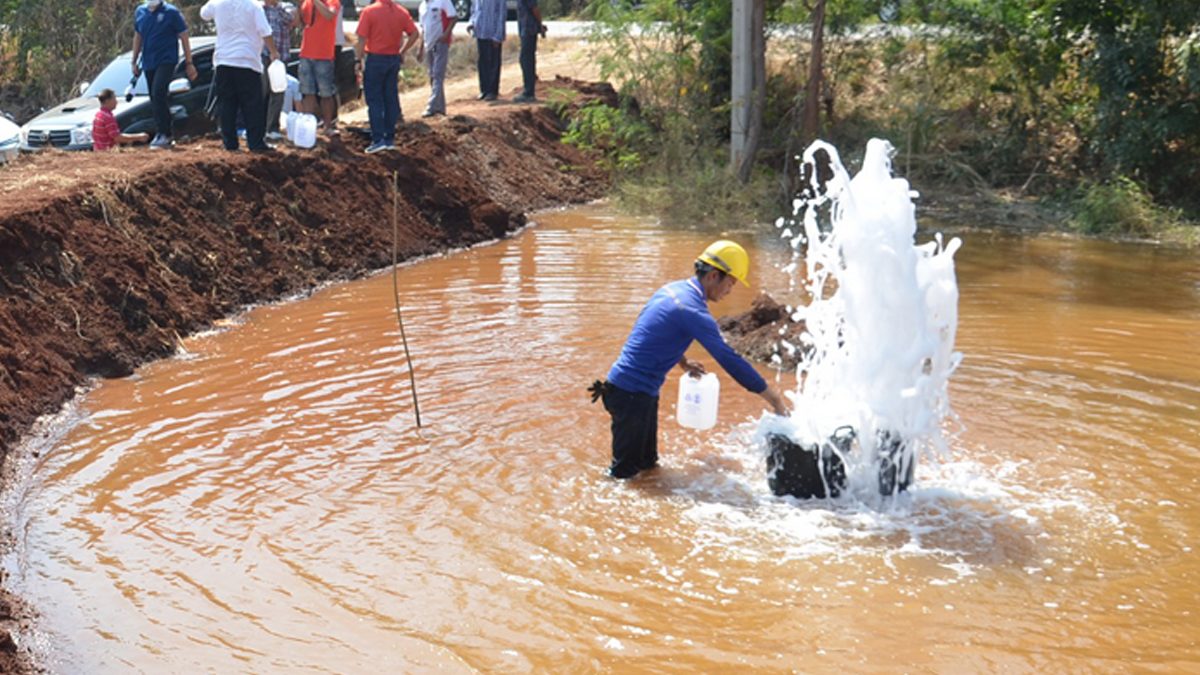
(10, 138)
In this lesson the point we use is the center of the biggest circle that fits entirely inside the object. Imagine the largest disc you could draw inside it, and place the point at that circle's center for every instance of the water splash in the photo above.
(878, 349)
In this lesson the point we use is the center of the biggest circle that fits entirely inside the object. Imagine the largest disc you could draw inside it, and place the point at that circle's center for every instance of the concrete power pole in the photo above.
(743, 81)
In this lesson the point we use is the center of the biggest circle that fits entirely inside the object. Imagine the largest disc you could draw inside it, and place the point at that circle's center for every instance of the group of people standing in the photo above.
(250, 35)
(488, 28)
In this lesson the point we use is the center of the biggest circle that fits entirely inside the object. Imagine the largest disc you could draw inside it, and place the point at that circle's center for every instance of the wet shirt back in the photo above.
(676, 315)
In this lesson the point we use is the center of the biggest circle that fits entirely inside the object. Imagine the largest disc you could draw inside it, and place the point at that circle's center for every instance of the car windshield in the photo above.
(116, 76)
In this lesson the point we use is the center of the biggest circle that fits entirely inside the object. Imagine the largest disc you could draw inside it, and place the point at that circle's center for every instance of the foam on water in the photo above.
(878, 350)
(962, 514)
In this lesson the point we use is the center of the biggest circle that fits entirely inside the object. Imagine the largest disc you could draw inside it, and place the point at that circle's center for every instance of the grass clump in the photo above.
(1123, 208)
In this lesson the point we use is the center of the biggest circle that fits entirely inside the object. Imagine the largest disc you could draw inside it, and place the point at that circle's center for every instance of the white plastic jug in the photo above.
(277, 75)
(305, 133)
(698, 397)
(290, 125)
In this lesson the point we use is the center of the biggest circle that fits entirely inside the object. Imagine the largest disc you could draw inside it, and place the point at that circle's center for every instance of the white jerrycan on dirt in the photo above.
(305, 133)
(290, 125)
(698, 398)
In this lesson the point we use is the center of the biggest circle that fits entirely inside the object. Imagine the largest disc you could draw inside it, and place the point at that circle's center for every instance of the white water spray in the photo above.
(878, 351)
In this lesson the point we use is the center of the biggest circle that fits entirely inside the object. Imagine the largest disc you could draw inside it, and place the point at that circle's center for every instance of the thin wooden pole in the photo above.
(396, 295)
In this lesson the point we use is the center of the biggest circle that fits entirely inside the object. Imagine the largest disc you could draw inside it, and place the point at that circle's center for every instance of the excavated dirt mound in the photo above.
(106, 259)
(759, 333)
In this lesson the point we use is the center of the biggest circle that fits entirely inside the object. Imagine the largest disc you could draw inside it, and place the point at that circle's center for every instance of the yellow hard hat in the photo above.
(729, 257)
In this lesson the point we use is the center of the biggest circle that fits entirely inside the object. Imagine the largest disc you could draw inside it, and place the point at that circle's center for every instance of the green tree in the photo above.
(1144, 61)
(1120, 74)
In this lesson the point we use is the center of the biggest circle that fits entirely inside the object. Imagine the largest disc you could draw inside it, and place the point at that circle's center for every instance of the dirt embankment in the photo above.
(763, 332)
(106, 259)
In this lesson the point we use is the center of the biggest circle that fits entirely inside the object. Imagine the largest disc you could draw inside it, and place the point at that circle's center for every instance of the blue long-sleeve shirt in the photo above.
(675, 315)
(487, 17)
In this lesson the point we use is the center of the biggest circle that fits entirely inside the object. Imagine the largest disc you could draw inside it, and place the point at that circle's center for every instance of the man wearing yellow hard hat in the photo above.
(676, 315)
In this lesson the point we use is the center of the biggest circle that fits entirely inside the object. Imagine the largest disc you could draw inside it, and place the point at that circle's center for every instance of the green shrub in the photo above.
(1121, 207)
(700, 191)
(615, 136)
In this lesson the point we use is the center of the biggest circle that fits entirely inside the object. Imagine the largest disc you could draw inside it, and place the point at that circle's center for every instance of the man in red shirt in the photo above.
(382, 28)
(106, 134)
(317, 80)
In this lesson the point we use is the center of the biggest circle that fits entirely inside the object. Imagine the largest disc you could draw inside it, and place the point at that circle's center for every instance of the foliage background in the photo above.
(1010, 98)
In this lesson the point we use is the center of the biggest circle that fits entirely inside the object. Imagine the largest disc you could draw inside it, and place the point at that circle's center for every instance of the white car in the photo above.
(10, 139)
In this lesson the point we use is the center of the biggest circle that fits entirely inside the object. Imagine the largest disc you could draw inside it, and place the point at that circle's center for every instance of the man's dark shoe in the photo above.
(264, 149)
(623, 471)
(490, 97)
(524, 98)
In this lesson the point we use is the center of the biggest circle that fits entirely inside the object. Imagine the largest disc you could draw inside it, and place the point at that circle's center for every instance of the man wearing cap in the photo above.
(676, 315)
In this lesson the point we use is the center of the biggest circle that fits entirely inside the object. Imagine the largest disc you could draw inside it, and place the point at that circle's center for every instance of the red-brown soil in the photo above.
(758, 332)
(106, 259)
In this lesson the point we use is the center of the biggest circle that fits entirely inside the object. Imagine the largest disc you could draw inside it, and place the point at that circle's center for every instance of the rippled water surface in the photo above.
(264, 503)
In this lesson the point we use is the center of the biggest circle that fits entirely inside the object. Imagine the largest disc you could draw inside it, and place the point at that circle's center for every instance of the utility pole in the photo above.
(743, 81)
(749, 95)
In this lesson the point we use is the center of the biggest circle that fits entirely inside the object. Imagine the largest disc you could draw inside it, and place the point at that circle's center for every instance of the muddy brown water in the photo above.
(264, 503)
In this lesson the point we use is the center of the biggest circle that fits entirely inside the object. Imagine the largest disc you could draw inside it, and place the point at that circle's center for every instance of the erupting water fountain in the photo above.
(878, 349)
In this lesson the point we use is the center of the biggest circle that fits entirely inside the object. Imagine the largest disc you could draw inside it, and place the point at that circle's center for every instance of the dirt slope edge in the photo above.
(104, 271)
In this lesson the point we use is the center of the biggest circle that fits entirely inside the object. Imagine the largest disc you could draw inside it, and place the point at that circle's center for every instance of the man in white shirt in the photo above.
(242, 29)
(437, 25)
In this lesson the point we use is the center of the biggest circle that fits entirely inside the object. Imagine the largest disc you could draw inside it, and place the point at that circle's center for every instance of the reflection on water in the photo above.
(264, 503)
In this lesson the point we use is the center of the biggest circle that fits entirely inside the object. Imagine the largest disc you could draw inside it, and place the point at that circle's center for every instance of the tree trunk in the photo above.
(758, 55)
(810, 126)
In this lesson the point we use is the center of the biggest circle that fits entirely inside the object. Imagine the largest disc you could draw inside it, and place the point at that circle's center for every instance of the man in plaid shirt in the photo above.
(282, 17)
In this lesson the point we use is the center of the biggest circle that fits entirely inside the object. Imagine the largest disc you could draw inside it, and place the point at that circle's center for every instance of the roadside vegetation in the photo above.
(1089, 110)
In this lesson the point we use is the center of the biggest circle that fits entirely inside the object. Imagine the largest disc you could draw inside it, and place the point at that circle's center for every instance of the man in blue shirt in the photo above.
(676, 315)
(487, 25)
(529, 27)
(159, 29)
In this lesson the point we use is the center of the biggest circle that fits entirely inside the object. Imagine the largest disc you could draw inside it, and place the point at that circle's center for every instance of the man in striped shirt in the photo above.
(282, 17)
(106, 134)
(487, 25)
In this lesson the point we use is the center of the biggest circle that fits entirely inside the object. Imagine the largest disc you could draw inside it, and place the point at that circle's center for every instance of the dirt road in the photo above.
(556, 58)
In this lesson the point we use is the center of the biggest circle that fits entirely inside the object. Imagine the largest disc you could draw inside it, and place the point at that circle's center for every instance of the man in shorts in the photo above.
(318, 86)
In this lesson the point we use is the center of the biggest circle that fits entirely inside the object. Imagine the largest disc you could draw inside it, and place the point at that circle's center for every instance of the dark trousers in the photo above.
(272, 102)
(529, 62)
(634, 431)
(489, 67)
(158, 79)
(383, 98)
(240, 90)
